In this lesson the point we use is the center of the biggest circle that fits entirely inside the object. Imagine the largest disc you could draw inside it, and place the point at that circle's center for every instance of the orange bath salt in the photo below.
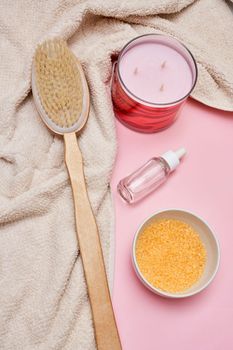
(170, 255)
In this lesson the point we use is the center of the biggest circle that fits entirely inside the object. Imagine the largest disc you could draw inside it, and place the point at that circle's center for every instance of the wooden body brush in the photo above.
(62, 98)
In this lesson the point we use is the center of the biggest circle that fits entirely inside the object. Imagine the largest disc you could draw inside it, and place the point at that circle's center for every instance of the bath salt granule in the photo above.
(170, 255)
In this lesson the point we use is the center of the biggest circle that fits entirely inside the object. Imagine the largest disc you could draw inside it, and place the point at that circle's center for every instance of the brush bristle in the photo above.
(58, 83)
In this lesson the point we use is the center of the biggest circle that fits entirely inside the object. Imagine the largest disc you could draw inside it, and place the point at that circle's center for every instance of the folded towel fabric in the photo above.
(43, 297)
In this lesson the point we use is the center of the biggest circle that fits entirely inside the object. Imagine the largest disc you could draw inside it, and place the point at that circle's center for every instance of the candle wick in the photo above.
(161, 87)
(135, 71)
(163, 64)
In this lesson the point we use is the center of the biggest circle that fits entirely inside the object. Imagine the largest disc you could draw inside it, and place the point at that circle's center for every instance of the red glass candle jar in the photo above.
(152, 78)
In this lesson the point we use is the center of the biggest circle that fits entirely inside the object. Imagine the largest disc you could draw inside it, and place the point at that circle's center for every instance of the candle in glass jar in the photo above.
(153, 77)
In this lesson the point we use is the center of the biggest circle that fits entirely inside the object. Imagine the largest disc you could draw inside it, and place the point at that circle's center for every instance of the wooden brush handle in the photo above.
(107, 337)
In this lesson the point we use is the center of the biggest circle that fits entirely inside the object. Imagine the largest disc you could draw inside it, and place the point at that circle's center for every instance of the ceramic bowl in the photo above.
(208, 238)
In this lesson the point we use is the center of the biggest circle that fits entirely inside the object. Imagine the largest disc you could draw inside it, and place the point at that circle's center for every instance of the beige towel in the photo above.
(43, 299)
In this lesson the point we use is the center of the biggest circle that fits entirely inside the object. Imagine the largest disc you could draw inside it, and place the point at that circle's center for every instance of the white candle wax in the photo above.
(156, 73)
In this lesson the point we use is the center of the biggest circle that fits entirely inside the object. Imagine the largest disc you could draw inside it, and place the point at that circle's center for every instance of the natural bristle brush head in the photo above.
(59, 87)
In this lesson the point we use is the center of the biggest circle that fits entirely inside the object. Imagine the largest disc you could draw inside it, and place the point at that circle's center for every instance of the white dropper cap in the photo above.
(173, 157)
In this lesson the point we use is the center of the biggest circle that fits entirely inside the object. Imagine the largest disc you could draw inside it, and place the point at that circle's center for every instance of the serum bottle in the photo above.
(150, 176)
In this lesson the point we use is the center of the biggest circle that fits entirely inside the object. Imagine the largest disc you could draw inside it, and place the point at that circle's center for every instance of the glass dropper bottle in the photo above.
(150, 176)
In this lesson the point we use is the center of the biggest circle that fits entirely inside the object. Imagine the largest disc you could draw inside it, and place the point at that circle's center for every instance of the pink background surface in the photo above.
(203, 184)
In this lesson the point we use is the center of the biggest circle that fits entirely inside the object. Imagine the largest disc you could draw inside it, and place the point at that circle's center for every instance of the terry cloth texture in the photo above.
(43, 297)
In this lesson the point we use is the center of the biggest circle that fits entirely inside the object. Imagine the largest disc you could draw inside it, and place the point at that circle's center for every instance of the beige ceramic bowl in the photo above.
(208, 238)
